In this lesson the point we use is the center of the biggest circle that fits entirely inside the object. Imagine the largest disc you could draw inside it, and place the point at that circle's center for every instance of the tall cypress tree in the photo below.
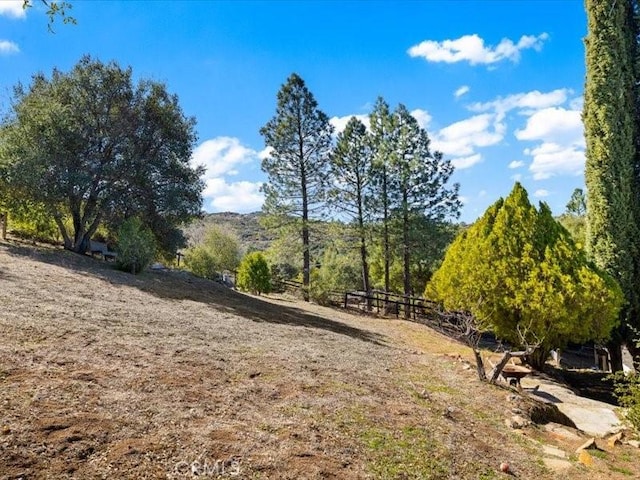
(611, 133)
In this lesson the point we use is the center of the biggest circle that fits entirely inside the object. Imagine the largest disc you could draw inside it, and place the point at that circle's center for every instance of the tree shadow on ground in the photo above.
(181, 285)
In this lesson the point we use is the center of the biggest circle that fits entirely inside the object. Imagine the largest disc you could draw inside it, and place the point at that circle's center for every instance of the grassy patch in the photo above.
(621, 470)
(410, 453)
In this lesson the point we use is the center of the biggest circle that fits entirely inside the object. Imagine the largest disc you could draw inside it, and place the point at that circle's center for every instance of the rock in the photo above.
(517, 422)
(557, 465)
(562, 432)
(614, 440)
(504, 467)
(512, 397)
(585, 458)
(254, 374)
(589, 444)
(6, 430)
(633, 443)
(553, 451)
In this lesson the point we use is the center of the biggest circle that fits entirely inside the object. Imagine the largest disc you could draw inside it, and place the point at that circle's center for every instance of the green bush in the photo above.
(627, 391)
(219, 251)
(254, 274)
(338, 273)
(136, 246)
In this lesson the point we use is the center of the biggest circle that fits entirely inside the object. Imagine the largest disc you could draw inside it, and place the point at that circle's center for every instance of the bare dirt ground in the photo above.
(107, 375)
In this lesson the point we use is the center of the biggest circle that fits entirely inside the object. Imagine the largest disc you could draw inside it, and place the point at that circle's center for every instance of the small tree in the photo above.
(254, 274)
(520, 274)
(218, 252)
(136, 246)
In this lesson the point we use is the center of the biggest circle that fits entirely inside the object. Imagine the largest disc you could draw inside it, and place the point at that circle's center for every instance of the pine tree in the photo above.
(381, 124)
(610, 119)
(299, 136)
(351, 194)
(419, 179)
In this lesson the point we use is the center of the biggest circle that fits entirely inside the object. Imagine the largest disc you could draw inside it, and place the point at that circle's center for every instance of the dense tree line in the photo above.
(385, 180)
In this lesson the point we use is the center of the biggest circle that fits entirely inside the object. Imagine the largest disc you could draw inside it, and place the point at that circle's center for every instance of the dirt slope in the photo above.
(106, 375)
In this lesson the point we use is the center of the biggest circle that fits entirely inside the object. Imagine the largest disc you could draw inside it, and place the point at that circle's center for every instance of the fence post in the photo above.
(4, 220)
(346, 296)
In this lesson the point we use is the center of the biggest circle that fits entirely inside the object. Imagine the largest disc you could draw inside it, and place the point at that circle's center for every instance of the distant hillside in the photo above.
(244, 226)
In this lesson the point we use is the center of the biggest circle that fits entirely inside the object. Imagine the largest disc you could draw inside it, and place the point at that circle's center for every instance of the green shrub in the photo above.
(254, 274)
(219, 251)
(136, 246)
(338, 273)
(627, 391)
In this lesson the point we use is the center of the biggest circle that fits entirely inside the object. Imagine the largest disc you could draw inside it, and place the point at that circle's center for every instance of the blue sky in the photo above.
(497, 84)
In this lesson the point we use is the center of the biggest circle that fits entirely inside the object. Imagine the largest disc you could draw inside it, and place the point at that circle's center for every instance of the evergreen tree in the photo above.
(611, 171)
(381, 124)
(419, 179)
(351, 194)
(254, 274)
(299, 138)
(520, 274)
(577, 204)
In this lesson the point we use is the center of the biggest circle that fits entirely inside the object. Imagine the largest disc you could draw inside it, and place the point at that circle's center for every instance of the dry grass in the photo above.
(106, 375)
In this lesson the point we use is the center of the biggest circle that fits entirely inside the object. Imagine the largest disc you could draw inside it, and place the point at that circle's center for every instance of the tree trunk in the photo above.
(68, 244)
(538, 358)
(406, 275)
(385, 222)
(615, 354)
(363, 259)
(306, 258)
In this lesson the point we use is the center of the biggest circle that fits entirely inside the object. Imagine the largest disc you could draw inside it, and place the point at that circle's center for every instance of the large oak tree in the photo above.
(92, 146)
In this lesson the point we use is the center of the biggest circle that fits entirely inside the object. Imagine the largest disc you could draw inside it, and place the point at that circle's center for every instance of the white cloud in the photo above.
(517, 177)
(12, 8)
(556, 125)
(529, 101)
(422, 116)
(463, 90)
(461, 138)
(541, 193)
(239, 197)
(7, 47)
(223, 157)
(472, 49)
(516, 164)
(340, 123)
(466, 162)
(551, 159)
